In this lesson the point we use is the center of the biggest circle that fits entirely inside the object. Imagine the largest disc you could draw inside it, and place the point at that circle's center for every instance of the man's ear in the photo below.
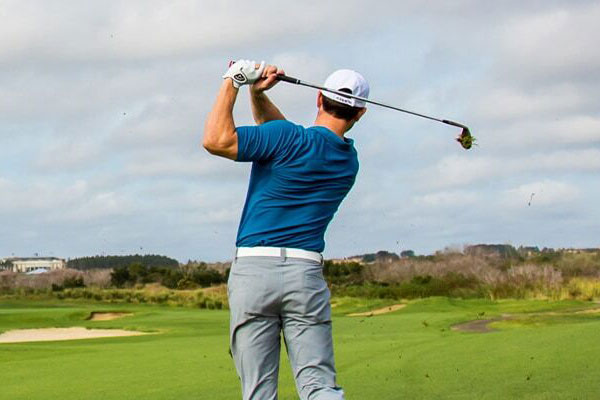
(319, 100)
(360, 114)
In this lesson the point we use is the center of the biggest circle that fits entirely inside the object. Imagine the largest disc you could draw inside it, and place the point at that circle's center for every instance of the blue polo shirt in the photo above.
(299, 178)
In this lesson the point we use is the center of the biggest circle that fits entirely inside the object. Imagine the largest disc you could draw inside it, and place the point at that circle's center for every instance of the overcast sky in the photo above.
(102, 105)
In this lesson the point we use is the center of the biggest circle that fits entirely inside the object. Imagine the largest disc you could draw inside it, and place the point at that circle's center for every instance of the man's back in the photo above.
(299, 178)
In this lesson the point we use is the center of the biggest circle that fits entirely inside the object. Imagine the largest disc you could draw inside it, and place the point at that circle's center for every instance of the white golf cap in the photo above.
(347, 79)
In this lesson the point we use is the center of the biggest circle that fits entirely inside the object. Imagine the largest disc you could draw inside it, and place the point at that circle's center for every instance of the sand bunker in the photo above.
(48, 334)
(482, 325)
(107, 316)
(478, 325)
(379, 311)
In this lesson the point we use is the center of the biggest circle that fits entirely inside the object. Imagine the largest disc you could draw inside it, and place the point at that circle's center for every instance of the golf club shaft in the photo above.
(296, 81)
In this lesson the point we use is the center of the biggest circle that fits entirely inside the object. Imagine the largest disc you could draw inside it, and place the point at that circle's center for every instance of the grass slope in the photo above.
(410, 353)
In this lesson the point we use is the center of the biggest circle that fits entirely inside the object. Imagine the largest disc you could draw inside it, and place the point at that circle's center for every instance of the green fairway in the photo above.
(544, 351)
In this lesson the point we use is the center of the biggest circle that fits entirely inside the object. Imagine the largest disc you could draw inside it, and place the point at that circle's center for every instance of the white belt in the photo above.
(284, 252)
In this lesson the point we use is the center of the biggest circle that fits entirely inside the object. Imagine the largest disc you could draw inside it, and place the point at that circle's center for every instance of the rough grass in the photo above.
(12, 281)
(582, 288)
(410, 353)
(553, 275)
(210, 298)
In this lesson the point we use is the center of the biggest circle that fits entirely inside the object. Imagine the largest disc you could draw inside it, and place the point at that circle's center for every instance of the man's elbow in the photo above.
(210, 141)
(208, 144)
(223, 148)
(213, 146)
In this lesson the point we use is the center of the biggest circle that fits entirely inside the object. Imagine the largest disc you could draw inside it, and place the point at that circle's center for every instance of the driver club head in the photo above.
(465, 139)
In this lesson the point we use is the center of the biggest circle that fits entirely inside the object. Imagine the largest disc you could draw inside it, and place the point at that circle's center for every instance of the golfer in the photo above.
(299, 178)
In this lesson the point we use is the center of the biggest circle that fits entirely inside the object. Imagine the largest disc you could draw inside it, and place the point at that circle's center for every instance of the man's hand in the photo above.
(267, 80)
(244, 72)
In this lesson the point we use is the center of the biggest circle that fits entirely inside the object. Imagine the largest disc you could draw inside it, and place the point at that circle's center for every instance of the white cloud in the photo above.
(575, 129)
(555, 44)
(69, 152)
(546, 193)
(160, 121)
(156, 164)
(467, 169)
(509, 104)
(40, 196)
(527, 135)
(95, 207)
(447, 199)
(302, 64)
(76, 202)
(133, 30)
(459, 170)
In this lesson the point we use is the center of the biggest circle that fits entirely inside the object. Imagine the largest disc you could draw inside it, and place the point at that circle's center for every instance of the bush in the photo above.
(186, 284)
(343, 273)
(210, 304)
(73, 282)
(201, 303)
(120, 276)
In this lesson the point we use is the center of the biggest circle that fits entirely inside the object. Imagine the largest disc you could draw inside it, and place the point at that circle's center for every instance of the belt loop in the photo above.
(283, 253)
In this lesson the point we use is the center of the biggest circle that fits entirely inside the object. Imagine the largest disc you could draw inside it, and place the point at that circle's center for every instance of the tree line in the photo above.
(112, 262)
(188, 276)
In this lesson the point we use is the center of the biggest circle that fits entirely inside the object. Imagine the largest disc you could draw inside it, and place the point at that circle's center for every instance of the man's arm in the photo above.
(263, 110)
(220, 137)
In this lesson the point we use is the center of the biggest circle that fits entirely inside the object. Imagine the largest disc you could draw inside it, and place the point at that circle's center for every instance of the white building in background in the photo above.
(26, 264)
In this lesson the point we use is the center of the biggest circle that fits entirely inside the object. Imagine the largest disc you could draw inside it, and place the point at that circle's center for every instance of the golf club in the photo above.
(465, 138)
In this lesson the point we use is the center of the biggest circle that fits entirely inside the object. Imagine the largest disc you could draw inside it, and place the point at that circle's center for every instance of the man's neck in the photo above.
(336, 125)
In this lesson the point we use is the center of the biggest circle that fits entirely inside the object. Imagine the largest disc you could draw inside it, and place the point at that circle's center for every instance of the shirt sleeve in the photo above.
(263, 142)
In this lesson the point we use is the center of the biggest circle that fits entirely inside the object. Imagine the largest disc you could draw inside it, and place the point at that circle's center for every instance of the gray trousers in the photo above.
(270, 295)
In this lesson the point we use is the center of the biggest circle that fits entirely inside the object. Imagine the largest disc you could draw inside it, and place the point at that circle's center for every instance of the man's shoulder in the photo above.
(281, 124)
(285, 130)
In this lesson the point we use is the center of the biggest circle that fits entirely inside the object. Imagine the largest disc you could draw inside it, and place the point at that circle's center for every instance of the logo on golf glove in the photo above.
(240, 78)
(244, 72)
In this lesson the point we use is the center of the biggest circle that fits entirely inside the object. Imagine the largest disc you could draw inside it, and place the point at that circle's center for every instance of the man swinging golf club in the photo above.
(299, 178)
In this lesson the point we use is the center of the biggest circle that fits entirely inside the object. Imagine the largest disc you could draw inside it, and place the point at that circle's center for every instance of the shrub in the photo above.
(345, 272)
(202, 303)
(100, 278)
(120, 276)
(73, 282)
(210, 304)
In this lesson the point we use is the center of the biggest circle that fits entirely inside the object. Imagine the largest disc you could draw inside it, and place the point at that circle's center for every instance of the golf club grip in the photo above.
(287, 79)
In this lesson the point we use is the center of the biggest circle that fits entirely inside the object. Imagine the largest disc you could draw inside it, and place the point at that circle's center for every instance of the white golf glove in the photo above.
(244, 72)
